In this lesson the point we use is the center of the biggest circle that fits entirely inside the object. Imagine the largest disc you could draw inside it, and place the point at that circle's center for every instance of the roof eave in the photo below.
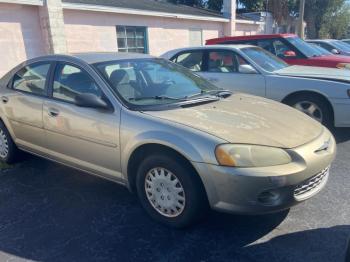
(118, 10)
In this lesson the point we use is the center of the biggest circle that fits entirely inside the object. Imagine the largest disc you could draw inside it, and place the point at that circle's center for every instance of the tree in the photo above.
(336, 23)
(215, 5)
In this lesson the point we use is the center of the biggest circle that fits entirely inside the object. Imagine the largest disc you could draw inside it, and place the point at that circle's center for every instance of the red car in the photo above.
(288, 47)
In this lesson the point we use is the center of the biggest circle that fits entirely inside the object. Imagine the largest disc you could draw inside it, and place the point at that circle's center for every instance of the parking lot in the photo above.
(53, 213)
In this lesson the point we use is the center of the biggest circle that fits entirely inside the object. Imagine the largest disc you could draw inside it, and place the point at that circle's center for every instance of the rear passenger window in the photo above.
(192, 60)
(71, 81)
(32, 78)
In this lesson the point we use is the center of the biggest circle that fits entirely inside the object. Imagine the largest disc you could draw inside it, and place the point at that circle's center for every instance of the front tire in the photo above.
(314, 106)
(8, 150)
(170, 191)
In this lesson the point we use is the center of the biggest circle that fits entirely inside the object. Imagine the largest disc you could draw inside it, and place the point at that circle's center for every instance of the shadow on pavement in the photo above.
(52, 213)
(341, 134)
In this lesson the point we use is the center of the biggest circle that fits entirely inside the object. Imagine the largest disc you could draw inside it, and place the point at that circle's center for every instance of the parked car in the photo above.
(177, 140)
(346, 41)
(321, 49)
(336, 47)
(288, 47)
(322, 93)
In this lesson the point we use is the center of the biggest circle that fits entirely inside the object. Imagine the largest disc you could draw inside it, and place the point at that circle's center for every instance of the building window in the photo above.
(132, 39)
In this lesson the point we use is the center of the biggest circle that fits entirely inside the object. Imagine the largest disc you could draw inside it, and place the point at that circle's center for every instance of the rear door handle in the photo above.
(53, 112)
(213, 79)
(4, 99)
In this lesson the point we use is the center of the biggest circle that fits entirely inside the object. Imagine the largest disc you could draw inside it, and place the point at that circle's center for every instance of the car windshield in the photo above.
(341, 45)
(264, 59)
(321, 49)
(153, 81)
(306, 48)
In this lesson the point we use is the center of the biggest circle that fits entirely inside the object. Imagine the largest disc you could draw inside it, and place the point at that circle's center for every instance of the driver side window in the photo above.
(71, 81)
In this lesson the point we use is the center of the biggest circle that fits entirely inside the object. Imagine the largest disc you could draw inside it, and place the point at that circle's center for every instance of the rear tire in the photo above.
(170, 191)
(314, 106)
(9, 152)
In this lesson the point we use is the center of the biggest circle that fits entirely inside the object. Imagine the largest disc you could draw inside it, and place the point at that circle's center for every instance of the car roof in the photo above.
(95, 57)
(249, 37)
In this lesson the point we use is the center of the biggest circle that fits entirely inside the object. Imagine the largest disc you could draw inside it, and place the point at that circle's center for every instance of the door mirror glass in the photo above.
(90, 100)
(247, 69)
(335, 52)
(289, 53)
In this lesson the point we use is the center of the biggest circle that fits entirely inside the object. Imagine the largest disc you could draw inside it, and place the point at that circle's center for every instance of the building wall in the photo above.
(249, 28)
(20, 35)
(88, 31)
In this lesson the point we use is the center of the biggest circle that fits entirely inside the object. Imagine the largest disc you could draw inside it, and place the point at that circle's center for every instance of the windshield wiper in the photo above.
(161, 97)
(219, 93)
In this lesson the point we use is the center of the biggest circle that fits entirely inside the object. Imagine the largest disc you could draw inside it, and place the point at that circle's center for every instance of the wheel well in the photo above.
(291, 96)
(143, 151)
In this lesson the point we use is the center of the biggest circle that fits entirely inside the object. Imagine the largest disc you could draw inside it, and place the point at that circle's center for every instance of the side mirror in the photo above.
(289, 53)
(335, 52)
(247, 69)
(90, 100)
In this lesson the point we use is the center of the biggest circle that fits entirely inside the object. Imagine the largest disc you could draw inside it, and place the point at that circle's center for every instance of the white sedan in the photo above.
(322, 93)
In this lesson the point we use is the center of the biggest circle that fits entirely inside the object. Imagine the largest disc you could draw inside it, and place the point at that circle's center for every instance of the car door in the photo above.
(23, 104)
(222, 68)
(86, 138)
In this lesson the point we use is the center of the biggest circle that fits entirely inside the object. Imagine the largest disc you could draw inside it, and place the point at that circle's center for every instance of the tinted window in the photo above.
(325, 46)
(70, 81)
(193, 60)
(32, 78)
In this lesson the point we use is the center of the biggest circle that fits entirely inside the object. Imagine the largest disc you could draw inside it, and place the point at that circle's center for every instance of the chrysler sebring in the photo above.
(179, 142)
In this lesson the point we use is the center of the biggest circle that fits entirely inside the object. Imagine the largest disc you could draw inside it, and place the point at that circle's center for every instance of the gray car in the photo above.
(178, 141)
(322, 93)
(336, 47)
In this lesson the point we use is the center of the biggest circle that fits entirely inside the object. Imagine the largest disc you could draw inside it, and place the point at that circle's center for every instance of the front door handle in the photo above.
(4, 99)
(53, 112)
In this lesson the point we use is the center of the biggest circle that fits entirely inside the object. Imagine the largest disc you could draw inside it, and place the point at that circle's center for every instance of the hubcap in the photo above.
(165, 192)
(311, 109)
(4, 147)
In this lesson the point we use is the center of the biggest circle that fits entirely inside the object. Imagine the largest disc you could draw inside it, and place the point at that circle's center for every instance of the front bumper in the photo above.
(270, 189)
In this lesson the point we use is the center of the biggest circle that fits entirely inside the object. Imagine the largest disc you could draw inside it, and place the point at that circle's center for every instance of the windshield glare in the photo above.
(146, 82)
(342, 46)
(306, 48)
(264, 59)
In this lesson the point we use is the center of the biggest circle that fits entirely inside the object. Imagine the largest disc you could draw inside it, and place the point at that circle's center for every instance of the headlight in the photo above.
(237, 155)
(343, 66)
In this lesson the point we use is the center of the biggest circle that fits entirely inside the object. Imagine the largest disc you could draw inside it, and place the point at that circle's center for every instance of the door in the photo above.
(23, 105)
(224, 69)
(86, 138)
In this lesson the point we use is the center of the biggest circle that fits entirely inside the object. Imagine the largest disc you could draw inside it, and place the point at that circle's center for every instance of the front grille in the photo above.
(311, 186)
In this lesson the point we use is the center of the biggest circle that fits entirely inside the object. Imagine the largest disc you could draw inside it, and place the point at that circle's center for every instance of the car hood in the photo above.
(316, 72)
(247, 119)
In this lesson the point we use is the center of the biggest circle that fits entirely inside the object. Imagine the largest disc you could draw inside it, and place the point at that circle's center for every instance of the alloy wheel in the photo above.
(311, 109)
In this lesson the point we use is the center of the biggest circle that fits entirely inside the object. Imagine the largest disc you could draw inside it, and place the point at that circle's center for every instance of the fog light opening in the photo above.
(269, 198)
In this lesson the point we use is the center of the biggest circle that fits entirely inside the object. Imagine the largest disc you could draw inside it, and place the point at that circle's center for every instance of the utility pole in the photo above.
(301, 19)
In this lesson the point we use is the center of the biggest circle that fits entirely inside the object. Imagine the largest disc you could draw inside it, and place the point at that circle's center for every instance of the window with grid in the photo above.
(132, 39)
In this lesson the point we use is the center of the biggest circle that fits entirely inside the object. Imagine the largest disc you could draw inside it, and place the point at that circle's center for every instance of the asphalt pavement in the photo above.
(49, 212)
